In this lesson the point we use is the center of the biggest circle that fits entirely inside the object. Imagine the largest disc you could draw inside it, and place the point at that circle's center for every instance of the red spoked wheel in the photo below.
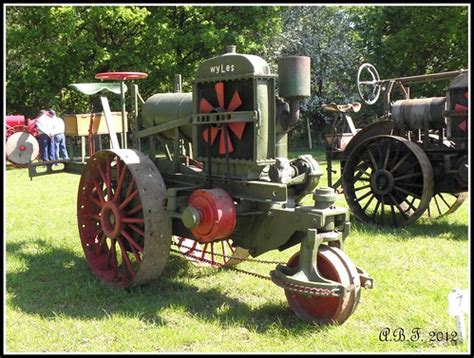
(124, 228)
(335, 265)
(215, 254)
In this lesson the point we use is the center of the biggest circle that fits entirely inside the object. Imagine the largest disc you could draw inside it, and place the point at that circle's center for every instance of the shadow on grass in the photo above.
(425, 228)
(58, 283)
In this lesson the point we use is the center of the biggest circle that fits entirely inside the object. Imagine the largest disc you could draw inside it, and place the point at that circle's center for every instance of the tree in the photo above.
(49, 47)
(413, 40)
(324, 34)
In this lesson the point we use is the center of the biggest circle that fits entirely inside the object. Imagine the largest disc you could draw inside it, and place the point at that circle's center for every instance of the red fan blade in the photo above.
(235, 102)
(219, 86)
(459, 107)
(205, 106)
(214, 133)
(237, 128)
(225, 137)
(463, 126)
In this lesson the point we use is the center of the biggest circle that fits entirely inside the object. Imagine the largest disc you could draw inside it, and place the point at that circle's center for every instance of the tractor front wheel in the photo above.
(335, 265)
(124, 228)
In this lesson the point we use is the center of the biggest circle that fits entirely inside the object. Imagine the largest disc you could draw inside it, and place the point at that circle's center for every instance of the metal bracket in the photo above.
(306, 274)
(114, 144)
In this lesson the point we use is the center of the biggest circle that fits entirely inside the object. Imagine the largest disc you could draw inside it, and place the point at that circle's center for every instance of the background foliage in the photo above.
(49, 47)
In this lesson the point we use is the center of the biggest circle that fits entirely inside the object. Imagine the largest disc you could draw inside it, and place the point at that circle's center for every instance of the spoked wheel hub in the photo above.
(382, 182)
(111, 219)
(124, 228)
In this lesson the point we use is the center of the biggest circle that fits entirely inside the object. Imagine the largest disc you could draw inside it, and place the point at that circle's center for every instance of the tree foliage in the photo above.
(49, 47)
(412, 40)
(324, 34)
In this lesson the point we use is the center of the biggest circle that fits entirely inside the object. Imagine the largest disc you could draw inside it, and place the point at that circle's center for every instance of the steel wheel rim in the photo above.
(212, 254)
(121, 217)
(444, 204)
(332, 264)
(388, 180)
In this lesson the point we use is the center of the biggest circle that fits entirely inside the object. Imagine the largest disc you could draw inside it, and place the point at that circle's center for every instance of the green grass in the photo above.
(54, 304)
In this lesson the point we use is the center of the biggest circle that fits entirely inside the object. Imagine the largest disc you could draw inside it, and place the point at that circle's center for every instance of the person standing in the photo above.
(44, 124)
(59, 138)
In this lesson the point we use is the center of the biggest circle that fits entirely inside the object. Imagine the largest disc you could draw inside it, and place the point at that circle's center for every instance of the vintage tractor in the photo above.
(21, 146)
(414, 159)
(224, 191)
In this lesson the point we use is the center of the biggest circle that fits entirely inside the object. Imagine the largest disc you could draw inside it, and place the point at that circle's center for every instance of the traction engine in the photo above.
(225, 190)
(414, 159)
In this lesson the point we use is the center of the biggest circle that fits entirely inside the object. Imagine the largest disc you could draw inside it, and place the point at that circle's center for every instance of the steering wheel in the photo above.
(369, 90)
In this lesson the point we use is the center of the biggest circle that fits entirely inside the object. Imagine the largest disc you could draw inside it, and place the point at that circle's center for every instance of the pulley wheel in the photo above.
(214, 254)
(444, 204)
(388, 181)
(335, 265)
(22, 148)
(124, 228)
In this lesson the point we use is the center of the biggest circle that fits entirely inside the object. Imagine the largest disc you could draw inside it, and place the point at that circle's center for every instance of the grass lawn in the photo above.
(53, 303)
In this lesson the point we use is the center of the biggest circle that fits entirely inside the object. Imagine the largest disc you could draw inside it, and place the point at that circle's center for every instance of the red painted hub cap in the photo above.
(217, 214)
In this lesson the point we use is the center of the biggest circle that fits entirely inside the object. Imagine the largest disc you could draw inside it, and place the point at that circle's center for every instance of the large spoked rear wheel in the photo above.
(213, 254)
(335, 265)
(124, 228)
(388, 181)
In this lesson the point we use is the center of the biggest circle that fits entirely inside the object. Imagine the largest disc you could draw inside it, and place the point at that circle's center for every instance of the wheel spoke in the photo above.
(442, 198)
(128, 199)
(372, 159)
(400, 209)
(394, 217)
(126, 259)
(120, 181)
(364, 196)
(95, 201)
(368, 203)
(135, 210)
(113, 254)
(387, 155)
(362, 187)
(133, 220)
(404, 191)
(99, 192)
(400, 162)
(132, 242)
(108, 182)
(137, 229)
(407, 176)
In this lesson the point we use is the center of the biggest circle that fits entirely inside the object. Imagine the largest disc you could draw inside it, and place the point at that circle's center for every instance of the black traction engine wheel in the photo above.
(124, 228)
(388, 181)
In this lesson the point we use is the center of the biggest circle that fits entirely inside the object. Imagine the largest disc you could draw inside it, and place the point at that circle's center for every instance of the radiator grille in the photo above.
(243, 148)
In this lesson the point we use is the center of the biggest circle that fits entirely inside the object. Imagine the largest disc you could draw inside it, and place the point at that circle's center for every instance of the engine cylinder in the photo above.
(164, 107)
(294, 75)
(414, 113)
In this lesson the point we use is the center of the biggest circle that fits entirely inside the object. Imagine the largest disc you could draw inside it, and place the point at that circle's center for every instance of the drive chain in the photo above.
(305, 290)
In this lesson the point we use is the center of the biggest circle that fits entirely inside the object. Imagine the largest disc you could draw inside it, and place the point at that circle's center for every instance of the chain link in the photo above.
(230, 257)
(305, 290)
